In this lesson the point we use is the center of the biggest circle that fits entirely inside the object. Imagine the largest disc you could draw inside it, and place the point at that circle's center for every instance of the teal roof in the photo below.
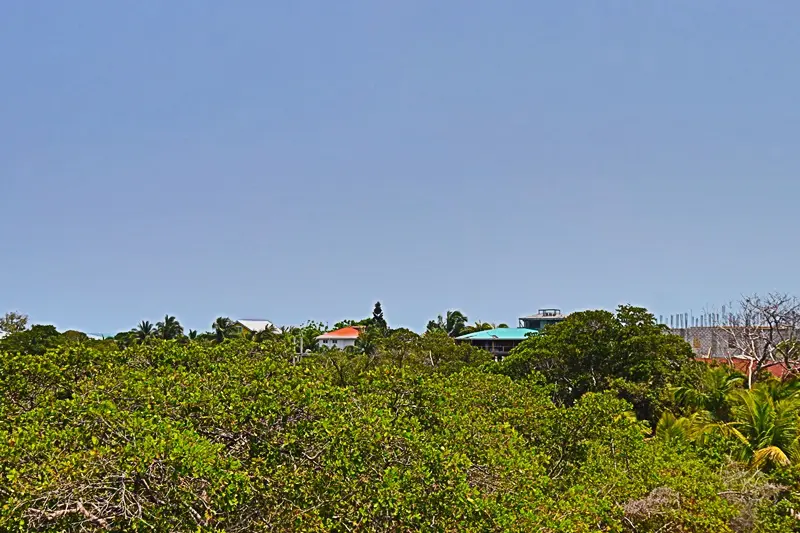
(503, 334)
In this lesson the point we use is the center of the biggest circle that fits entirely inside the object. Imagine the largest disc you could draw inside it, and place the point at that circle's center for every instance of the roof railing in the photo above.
(549, 312)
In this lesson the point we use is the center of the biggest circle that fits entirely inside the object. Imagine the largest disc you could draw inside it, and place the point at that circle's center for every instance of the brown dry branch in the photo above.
(764, 329)
(658, 502)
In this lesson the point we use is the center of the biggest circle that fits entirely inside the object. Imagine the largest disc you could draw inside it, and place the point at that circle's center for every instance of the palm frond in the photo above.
(770, 455)
(670, 428)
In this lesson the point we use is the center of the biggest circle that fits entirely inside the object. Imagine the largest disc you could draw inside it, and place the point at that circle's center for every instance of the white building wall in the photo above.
(337, 343)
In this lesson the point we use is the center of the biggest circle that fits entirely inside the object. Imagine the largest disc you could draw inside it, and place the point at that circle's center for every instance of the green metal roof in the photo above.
(503, 334)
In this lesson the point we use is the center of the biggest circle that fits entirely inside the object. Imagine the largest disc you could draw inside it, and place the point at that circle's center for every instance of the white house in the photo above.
(340, 338)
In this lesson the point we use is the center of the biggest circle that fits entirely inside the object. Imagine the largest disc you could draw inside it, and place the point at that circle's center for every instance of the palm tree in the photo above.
(478, 326)
(169, 328)
(223, 327)
(454, 323)
(144, 331)
(781, 390)
(192, 334)
(268, 334)
(712, 393)
(766, 428)
(367, 342)
(672, 429)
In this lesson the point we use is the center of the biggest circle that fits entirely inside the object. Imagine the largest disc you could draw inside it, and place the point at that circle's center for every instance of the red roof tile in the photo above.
(351, 332)
(779, 370)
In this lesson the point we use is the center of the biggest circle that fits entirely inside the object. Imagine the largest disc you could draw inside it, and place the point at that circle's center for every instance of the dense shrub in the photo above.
(192, 436)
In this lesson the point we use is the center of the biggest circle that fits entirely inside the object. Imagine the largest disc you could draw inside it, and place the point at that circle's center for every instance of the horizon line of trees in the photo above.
(454, 324)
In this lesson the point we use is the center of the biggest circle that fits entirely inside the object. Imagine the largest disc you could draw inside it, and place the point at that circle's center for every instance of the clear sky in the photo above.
(300, 160)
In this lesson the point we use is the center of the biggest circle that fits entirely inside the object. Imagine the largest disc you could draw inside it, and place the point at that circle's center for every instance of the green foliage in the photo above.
(74, 337)
(367, 341)
(674, 430)
(309, 333)
(592, 351)
(144, 331)
(433, 352)
(223, 328)
(454, 323)
(766, 426)
(13, 322)
(712, 392)
(36, 340)
(410, 433)
(176, 437)
(350, 322)
(126, 338)
(169, 328)
(378, 322)
(760, 425)
(478, 326)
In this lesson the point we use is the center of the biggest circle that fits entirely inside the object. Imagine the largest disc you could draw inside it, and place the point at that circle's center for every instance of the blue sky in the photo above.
(300, 160)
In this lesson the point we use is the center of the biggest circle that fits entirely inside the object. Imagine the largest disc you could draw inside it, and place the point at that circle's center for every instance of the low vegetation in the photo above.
(603, 422)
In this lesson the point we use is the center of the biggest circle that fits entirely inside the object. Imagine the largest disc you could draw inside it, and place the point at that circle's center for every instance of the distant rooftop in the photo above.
(350, 332)
(508, 334)
(255, 325)
(547, 313)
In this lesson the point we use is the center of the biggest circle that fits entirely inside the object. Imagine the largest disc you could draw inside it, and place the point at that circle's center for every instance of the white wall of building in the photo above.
(337, 343)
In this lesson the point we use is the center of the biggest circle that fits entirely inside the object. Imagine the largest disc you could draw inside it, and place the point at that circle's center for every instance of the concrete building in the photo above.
(543, 318)
(725, 342)
(709, 341)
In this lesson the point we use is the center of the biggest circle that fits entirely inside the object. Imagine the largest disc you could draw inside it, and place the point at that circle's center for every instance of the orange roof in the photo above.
(344, 333)
(779, 370)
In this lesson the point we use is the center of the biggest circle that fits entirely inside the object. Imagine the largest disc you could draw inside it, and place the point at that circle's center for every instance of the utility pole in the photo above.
(300, 355)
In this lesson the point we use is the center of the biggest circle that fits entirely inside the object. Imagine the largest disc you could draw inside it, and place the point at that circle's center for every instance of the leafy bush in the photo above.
(236, 436)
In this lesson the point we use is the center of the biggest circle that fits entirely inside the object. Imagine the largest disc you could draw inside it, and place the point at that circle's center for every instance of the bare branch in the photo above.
(764, 329)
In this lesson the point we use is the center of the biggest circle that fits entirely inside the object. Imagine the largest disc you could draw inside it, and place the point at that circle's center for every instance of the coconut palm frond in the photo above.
(770, 455)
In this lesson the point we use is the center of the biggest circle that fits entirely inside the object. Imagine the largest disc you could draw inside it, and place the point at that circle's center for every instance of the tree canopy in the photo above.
(592, 351)
(220, 432)
(13, 322)
(378, 322)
